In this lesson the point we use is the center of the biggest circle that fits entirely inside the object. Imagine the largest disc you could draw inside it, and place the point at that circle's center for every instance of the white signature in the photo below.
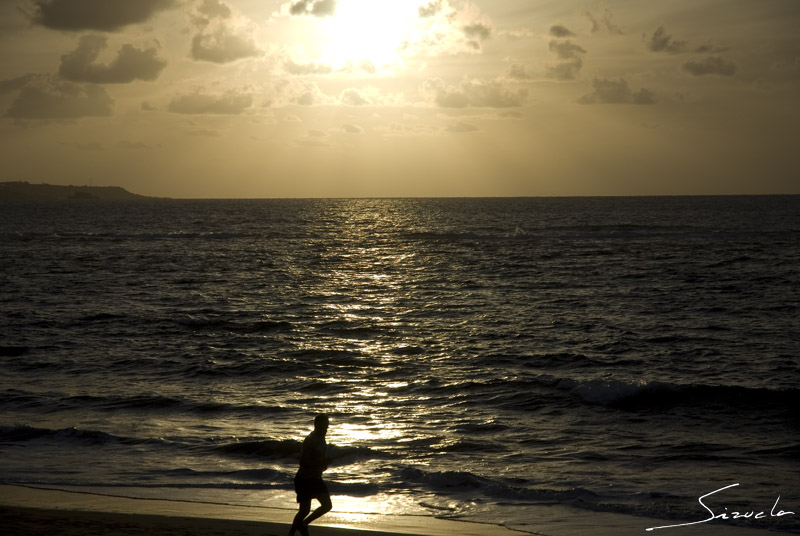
(774, 512)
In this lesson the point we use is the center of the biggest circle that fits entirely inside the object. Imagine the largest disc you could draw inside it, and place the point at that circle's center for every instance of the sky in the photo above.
(407, 98)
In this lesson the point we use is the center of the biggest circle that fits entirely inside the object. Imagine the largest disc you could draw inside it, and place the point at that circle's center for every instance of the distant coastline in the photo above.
(25, 191)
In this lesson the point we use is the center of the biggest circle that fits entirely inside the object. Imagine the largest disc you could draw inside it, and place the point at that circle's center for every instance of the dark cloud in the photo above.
(474, 93)
(103, 15)
(46, 97)
(599, 24)
(572, 60)
(710, 65)
(214, 8)
(222, 36)
(221, 43)
(15, 84)
(660, 41)
(477, 30)
(130, 64)
(430, 9)
(559, 30)
(565, 70)
(316, 8)
(566, 50)
(607, 91)
(229, 103)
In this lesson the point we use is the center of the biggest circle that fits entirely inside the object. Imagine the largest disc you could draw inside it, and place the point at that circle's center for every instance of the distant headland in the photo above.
(25, 191)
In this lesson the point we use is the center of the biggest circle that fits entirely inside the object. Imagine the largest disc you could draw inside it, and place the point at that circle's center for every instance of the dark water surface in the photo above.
(477, 356)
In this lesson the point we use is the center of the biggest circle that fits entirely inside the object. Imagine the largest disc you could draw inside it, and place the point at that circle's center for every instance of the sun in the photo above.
(368, 34)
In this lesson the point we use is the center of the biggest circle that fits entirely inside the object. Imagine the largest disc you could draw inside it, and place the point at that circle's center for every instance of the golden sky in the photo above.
(341, 98)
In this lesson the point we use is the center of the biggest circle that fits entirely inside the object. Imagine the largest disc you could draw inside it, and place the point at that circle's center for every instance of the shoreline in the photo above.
(35, 511)
(28, 510)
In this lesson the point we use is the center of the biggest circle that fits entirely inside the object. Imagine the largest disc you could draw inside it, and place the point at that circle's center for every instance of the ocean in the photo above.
(480, 359)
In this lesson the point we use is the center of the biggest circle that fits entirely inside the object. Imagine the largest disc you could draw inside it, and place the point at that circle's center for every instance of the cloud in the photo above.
(598, 24)
(660, 41)
(473, 93)
(607, 91)
(447, 27)
(102, 15)
(309, 68)
(572, 60)
(314, 138)
(566, 50)
(518, 71)
(369, 96)
(231, 102)
(316, 8)
(297, 91)
(222, 45)
(46, 97)
(214, 8)
(130, 64)
(15, 84)
(223, 36)
(710, 65)
(517, 34)
(352, 97)
(430, 9)
(565, 70)
(349, 128)
(559, 30)
(477, 30)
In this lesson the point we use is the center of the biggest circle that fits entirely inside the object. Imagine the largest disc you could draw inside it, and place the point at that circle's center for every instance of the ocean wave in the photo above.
(24, 433)
(643, 394)
(505, 489)
(264, 448)
(134, 403)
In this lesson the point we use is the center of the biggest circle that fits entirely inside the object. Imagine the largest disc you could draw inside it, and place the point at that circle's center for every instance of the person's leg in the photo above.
(302, 511)
(324, 507)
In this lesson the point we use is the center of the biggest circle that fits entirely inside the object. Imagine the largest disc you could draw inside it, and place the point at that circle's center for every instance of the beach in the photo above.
(30, 511)
(552, 366)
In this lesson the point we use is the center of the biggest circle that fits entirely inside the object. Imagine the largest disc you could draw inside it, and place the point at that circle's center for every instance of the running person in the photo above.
(308, 481)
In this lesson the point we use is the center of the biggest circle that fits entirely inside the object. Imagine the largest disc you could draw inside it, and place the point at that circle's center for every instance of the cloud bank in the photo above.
(608, 91)
(47, 97)
(130, 64)
(102, 15)
(222, 35)
(711, 65)
(473, 93)
(229, 103)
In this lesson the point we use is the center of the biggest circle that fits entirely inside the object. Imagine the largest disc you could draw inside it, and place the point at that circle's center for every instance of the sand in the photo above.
(30, 511)
(33, 511)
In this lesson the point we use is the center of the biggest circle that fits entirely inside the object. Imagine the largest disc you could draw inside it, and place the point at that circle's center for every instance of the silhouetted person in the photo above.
(308, 481)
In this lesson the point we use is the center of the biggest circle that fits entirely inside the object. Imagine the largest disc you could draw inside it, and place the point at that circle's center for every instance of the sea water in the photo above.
(479, 358)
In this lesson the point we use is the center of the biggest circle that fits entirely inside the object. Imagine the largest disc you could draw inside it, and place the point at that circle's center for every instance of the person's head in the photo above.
(321, 423)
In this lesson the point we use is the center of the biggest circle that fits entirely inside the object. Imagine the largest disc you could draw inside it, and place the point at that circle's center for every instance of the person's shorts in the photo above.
(309, 488)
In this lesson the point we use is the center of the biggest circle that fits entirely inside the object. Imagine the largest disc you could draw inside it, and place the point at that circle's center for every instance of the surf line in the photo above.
(731, 515)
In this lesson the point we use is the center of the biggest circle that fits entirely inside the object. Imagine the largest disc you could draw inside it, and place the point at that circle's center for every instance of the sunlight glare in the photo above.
(367, 35)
